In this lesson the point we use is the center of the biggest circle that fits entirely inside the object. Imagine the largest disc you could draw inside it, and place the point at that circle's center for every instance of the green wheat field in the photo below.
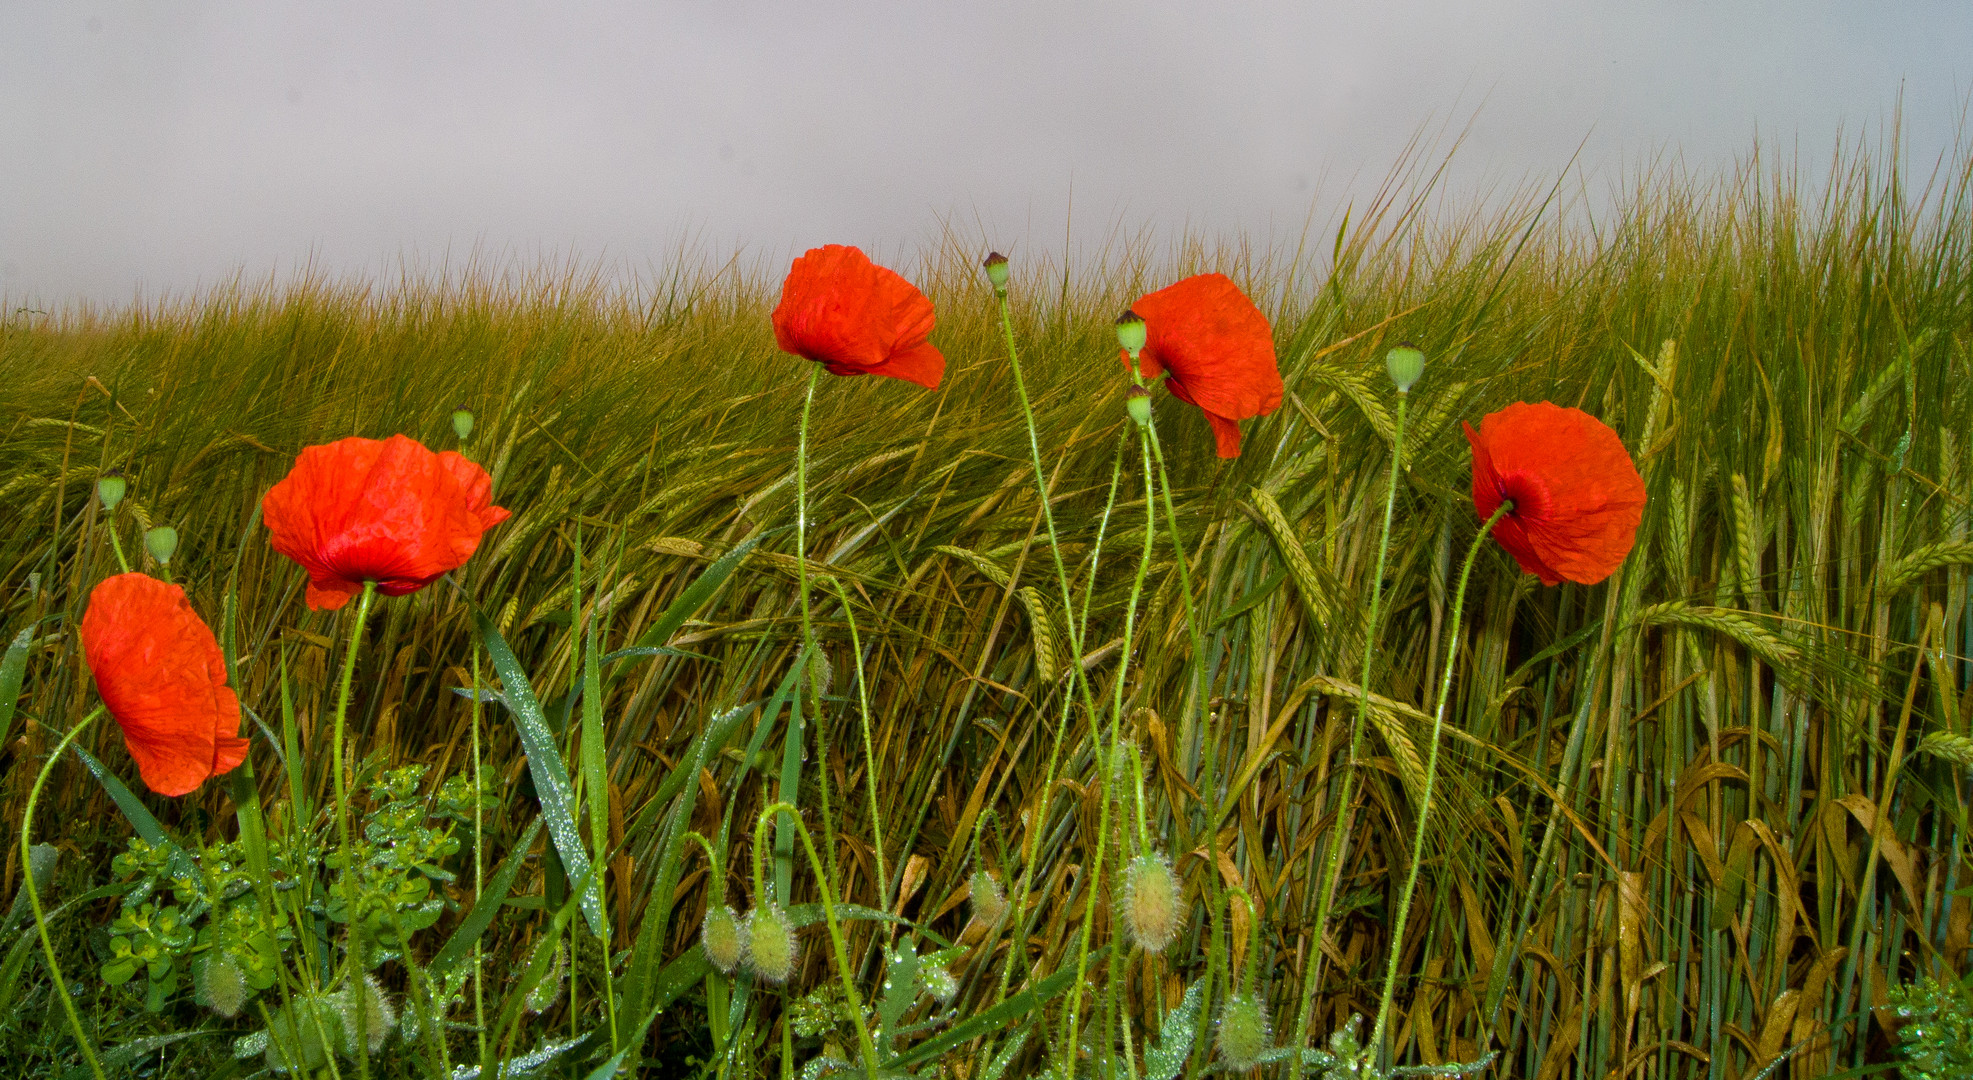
(1706, 819)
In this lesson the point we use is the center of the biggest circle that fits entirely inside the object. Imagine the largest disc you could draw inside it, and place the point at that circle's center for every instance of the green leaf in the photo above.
(132, 1052)
(13, 668)
(1163, 1061)
(491, 894)
(992, 1020)
(551, 777)
(691, 600)
(133, 810)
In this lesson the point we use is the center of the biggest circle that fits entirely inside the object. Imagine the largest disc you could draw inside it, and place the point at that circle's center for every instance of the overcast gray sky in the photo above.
(157, 147)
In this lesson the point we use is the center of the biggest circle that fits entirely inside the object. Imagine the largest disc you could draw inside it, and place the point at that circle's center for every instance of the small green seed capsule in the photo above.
(1405, 363)
(1153, 902)
(996, 271)
(162, 543)
(720, 934)
(771, 945)
(110, 487)
(1137, 402)
(1243, 1032)
(462, 423)
(219, 984)
(1131, 333)
(376, 1016)
(939, 982)
(989, 902)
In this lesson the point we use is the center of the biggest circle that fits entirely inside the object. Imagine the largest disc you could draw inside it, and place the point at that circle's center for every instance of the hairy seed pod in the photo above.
(938, 982)
(549, 989)
(1243, 1031)
(771, 945)
(375, 1018)
(1153, 902)
(989, 902)
(720, 934)
(219, 984)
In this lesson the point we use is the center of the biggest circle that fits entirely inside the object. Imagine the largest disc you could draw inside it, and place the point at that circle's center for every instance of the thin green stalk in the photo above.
(836, 940)
(1332, 868)
(479, 879)
(342, 816)
(116, 545)
(1431, 772)
(869, 750)
(809, 648)
(34, 894)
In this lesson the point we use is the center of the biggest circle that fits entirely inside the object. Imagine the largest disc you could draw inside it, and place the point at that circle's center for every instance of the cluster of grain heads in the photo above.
(1153, 902)
(725, 946)
(770, 946)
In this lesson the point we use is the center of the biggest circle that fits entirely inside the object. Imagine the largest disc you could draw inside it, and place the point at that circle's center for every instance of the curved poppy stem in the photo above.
(34, 894)
(1431, 771)
(116, 544)
(1332, 858)
(363, 603)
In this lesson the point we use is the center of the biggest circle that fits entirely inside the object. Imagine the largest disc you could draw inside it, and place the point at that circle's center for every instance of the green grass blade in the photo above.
(992, 1020)
(551, 776)
(691, 600)
(476, 922)
(13, 669)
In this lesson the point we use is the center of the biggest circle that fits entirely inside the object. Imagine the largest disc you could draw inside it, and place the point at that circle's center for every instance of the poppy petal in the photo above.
(1218, 349)
(854, 317)
(1577, 495)
(161, 674)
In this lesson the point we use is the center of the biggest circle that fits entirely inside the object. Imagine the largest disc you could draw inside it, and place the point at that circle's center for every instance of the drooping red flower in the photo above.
(856, 318)
(162, 676)
(1219, 350)
(1577, 496)
(391, 512)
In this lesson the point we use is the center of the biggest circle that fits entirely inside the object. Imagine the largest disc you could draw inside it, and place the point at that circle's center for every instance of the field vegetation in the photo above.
(1704, 819)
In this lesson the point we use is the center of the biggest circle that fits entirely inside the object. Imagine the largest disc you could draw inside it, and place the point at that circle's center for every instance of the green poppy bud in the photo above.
(549, 989)
(1405, 363)
(162, 543)
(771, 945)
(996, 271)
(1243, 1032)
(462, 423)
(989, 902)
(1131, 333)
(939, 982)
(364, 1007)
(720, 934)
(1137, 402)
(110, 488)
(219, 984)
(1153, 902)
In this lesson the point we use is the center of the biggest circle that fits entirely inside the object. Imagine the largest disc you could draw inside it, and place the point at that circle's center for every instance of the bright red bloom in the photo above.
(163, 678)
(391, 512)
(1577, 496)
(856, 318)
(1219, 350)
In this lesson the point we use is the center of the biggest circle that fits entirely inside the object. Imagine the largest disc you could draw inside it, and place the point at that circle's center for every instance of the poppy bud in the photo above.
(219, 984)
(939, 982)
(1243, 1032)
(364, 1005)
(989, 902)
(1405, 363)
(1153, 903)
(462, 423)
(162, 543)
(771, 945)
(1131, 333)
(1137, 402)
(549, 989)
(996, 270)
(110, 488)
(720, 934)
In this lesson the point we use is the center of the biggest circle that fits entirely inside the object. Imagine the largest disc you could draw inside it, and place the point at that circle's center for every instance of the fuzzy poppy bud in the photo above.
(771, 946)
(1131, 333)
(1153, 902)
(720, 934)
(219, 984)
(996, 271)
(364, 1008)
(1243, 1032)
(1405, 364)
(989, 902)
(110, 488)
(162, 543)
(462, 423)
(1137, 402)
(549, 989)
(939, 982)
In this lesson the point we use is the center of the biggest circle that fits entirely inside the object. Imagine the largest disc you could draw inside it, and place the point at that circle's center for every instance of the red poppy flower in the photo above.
(163, 678)
(856, 318)
(1219, 350)
(1577, 496)
(391, 512)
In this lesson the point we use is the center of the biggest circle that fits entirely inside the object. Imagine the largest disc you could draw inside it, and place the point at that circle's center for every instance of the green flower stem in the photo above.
(34, 894)
(869, 750)
(479, 877)
(342, 817)
(116, 544)
(1431, 772)
(836, 940)
(1332, 860)
(809, 648)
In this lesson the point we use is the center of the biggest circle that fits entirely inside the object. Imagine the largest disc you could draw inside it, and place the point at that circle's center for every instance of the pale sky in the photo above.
(156, 148)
